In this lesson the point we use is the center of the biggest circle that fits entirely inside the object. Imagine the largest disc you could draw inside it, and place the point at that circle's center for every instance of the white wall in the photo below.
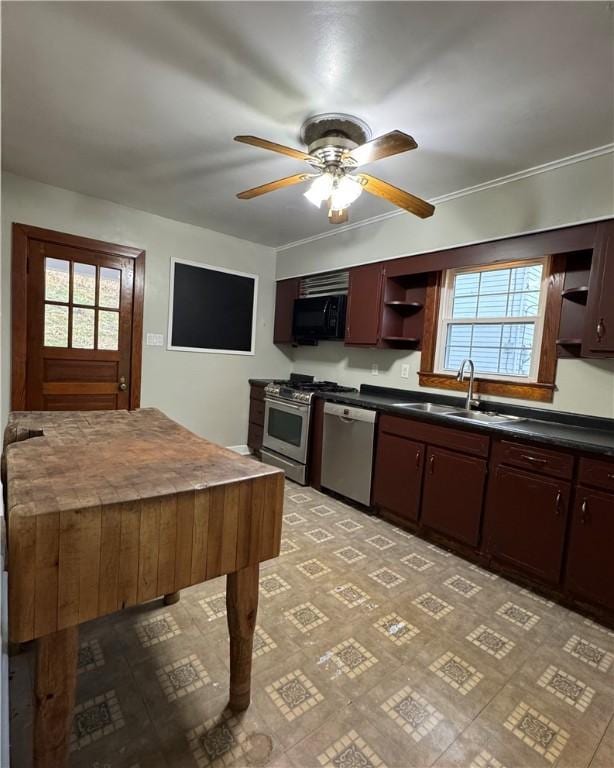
(208, 393)
(573, 193)
(583, 386)
(570, 194)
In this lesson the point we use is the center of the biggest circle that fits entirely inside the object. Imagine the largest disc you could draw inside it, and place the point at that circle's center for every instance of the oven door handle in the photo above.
(287, 405)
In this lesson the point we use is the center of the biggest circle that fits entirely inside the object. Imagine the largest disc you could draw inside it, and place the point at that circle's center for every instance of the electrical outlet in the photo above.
(374, 369)
(405, 371)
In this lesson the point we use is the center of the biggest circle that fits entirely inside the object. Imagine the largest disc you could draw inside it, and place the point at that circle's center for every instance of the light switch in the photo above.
(155, 340)
(374, 369)
(405, 371)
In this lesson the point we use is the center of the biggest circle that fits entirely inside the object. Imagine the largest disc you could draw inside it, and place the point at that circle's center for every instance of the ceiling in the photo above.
(138, 102)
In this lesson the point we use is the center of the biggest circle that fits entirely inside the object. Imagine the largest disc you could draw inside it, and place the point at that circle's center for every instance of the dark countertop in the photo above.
(556, 428)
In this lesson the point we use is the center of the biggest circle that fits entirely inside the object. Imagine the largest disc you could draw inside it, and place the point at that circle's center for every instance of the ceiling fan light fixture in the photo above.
(345, 192)
(337, 146)
(321, 189)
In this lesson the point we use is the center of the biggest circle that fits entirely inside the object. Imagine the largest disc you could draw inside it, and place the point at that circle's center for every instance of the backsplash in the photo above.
(583, 386)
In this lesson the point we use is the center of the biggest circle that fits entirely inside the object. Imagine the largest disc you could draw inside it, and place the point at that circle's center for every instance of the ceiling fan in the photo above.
(337, 146)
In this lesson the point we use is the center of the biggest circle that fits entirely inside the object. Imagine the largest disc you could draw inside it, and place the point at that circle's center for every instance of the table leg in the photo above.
(171, 598)
(54, 696)
(241, 609)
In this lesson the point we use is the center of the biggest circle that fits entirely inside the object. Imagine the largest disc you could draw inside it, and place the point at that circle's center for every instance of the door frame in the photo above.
(22, 234)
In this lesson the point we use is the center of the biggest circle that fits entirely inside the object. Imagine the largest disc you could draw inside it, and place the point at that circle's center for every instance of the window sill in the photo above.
(482, 386)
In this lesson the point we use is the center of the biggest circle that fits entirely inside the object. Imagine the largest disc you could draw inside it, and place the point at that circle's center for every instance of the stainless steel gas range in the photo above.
(287, 421)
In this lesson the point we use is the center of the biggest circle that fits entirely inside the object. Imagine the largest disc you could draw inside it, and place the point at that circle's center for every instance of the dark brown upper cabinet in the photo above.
(363, 308)
(599, 328)
(286, 293)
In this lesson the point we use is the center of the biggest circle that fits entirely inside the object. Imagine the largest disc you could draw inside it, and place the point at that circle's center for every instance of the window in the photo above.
(493, 315)
(75, 294)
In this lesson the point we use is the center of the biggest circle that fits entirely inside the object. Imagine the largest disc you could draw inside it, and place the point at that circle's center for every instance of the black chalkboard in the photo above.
(211, 309)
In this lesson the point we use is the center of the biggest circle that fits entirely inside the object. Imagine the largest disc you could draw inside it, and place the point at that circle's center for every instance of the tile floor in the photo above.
(372, 649)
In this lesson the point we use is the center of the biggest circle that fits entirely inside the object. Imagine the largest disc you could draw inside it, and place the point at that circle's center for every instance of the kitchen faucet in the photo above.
(460, 376)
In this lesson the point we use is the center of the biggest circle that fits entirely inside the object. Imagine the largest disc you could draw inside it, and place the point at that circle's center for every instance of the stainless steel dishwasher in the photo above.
(347, 451)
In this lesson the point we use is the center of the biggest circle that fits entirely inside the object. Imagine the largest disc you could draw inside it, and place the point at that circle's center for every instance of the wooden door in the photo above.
(397, 481)
(525, 521)
(590, 564)
(77, 336)
(453, 494)
(364, 305)
(285, 293)
(599, 329)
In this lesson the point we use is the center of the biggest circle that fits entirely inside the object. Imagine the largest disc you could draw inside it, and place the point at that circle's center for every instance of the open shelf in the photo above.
(578, 294)
(402, 320)
(405, 306)
(574, 295)
(411, 340)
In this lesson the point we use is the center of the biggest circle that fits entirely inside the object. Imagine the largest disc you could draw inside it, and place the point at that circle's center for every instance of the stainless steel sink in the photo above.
(430, 408)
(488, 418)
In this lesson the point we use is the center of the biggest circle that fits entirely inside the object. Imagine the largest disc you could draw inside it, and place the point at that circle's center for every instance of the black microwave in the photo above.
(319, 317)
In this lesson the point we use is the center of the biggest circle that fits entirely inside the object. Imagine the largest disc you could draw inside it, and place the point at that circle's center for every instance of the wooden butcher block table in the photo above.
(110, 509)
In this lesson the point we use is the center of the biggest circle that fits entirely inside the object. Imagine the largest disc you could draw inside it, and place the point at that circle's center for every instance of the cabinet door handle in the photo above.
(417, 459)
(611, 475)
(584, 512)
(600, 329)
(533, 459)
(557, 504)
(432, 464)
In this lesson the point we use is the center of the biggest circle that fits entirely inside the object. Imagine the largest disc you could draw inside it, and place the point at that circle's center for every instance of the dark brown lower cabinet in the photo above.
(397, 480)
(525, 520)
(254, 436)
(590, 559)
(315, 441)
(452, 494)
(255, 427)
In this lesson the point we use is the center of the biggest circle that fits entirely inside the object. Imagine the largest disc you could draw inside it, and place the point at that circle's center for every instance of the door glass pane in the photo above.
(82, 328)
(57, 280)
(84, 284)
(285, 426)
(56, 325)
(108, 330)
(110, 283)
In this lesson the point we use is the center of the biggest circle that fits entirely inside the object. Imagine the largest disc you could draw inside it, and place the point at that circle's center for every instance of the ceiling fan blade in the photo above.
(337, 217)
(283, 150)
(273, 185)
(395, 195)
(389, 144)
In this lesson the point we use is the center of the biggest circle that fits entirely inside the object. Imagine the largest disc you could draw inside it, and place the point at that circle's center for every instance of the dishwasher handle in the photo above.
(348, 413)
